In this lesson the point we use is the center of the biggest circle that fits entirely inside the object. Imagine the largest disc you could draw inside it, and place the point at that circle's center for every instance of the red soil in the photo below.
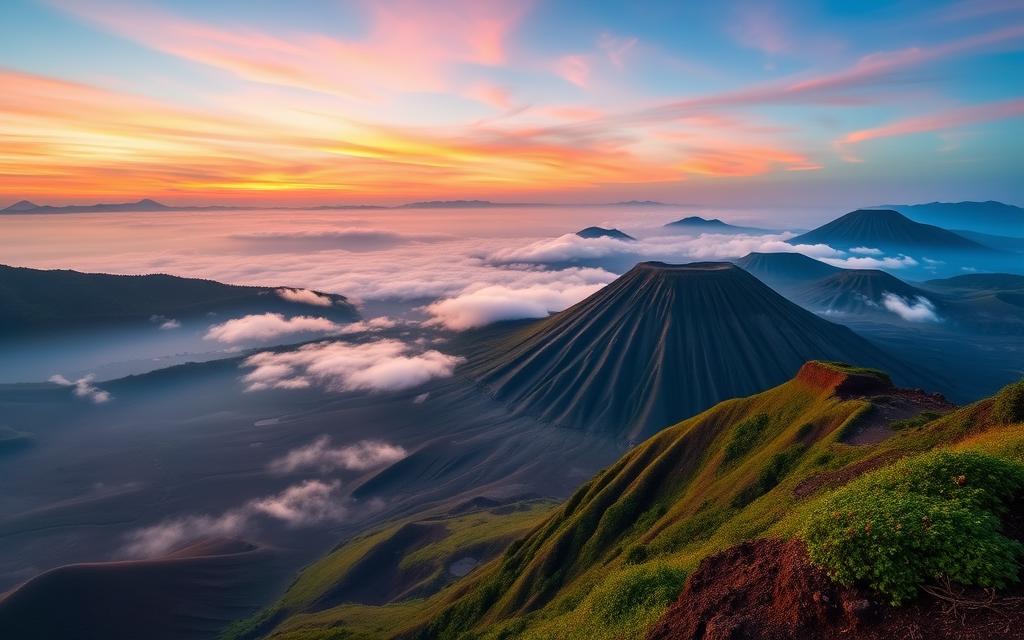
(769, 590)
(826, 378)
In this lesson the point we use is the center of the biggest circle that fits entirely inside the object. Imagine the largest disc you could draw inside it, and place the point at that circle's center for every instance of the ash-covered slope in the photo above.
(885, 229)
(784, 270)
(857, 291)
(659, 344)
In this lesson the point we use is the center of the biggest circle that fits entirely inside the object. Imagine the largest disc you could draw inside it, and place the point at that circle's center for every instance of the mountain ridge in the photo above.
(686, 336)
(884, 229)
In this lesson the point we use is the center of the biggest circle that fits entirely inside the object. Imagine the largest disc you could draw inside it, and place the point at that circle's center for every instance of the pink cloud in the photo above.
(950, 119)
(574, 69)
(492, 95)
(410, 46)
(759, 26)
(616, 48)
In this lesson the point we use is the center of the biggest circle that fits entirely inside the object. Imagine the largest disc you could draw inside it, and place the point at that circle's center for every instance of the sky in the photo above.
(330, 101)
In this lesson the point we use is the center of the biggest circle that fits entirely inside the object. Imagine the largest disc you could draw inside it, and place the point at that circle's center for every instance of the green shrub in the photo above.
(778, 467)
(936, 515)
(745, 436)
(636, 590)
(637, 554)
(1008, 406)
(696, 528)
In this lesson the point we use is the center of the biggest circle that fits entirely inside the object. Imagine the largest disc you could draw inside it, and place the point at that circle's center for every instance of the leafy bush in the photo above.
(1008, 406)
(927, 517)
(778, 467)
(637, 554)
(637, 590)
(746, 434)
(697, 528)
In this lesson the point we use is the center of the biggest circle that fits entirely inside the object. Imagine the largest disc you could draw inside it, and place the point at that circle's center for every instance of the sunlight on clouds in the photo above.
(320, 455)
(309, 503)
(384, 365)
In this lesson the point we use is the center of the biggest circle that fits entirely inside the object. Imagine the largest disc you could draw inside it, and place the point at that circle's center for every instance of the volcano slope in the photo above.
(659, 344)
(885, 229)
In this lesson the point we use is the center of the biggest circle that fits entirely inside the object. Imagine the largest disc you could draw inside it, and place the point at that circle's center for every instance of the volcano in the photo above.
(697, 224)
(658, 344)
(601, 232)
(856, 291)
(885, 229)
(784, 270)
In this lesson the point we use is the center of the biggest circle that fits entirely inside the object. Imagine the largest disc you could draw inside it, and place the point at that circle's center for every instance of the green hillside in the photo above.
(610, 560)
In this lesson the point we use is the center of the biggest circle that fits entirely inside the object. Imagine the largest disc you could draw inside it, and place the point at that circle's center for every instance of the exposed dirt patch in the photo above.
(839, 477)
(848, 383)
(769, 590)
(875, 424)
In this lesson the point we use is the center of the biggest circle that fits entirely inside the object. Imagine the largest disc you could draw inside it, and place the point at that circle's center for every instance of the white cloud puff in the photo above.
(899, 262)
(83, 388)
(319, 454)
(304, 296)
(267, 326)
(920, 309)
(485, 305)
(164, 323)
(383, 365)
(866, 251)
(368, 326)
(668, 248)
(311, 502)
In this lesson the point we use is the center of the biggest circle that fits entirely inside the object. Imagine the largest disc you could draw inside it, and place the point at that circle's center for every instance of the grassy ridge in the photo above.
(612, 557)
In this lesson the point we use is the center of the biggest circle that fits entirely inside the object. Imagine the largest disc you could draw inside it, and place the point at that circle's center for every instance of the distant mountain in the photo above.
(857, 292)
(145, 204)
(601, 232)
(638, 203)
(33, 299)
(462, 204)
(886, 230)
(1001, 243)
(696, 224)
(783, 270)
(980, 282)
(660, 343)
(21, 205)
(989, 217)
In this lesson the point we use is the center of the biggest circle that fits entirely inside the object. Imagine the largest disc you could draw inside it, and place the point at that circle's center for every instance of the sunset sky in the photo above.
(197, 102)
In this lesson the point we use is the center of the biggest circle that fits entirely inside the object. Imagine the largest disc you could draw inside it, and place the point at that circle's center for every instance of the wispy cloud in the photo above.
(309, 503)
(304, 296)
(269, 326)
(486, 305)
(383, 365)
(164, 323)
(83, 388)
(320, 455)
(920, 309)
(409, 46)
(941, 121)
